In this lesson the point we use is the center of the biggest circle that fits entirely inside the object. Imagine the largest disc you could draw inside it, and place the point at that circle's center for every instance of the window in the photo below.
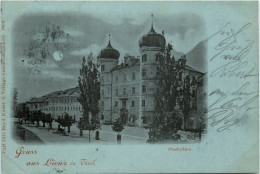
(102, 103)
(116, 92)
(102, 117)
(143, 89)
(102, 93)
(133, 76)
(133, 103)
(144, 57)
(124, 91)
(144, 72)
(133, 90)
(68, 108)
(103, 68)
(143, 103)
(116, 103)
(124, 103)
(157, 57)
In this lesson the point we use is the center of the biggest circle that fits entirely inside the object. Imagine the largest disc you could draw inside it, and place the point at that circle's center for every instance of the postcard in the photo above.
(129, 87)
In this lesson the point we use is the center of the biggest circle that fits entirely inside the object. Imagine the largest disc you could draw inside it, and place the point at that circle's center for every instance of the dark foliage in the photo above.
(118, 126)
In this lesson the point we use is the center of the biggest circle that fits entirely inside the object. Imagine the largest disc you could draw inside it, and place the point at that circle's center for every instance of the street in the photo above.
(130, 135)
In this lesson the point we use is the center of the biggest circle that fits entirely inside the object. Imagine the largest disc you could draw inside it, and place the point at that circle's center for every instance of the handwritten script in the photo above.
(228, 107)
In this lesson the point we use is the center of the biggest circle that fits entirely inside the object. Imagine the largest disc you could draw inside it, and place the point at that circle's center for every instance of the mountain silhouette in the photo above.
(197, 57)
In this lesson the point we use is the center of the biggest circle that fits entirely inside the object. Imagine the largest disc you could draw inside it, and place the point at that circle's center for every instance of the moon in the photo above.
(58, 56)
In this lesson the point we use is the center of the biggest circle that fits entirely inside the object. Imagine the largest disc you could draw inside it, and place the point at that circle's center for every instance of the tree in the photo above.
(38, 117)
(33, 117)
(83, 124)
(49, 120)
(89, 86)
(171, 89)
(68, 121)
(43, 119)
(118, 127)
(22, 112)
(165, 126)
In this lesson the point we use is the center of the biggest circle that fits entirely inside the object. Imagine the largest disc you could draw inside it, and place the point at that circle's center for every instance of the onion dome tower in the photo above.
(152, 39)
(151, 45)
(108, 58)
(109, 52)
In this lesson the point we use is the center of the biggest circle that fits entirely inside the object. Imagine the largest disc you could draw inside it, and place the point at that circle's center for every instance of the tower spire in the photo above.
(152, 30)
(109, 44)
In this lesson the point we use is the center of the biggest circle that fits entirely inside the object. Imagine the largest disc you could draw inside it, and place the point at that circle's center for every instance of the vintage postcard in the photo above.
(129, 87)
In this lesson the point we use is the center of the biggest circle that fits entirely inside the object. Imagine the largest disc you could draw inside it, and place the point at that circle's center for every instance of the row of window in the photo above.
(132, 104)
(77, 108)
(124, 103)
(125, 76)
(124, 91)
(64, 101)
(144, 59)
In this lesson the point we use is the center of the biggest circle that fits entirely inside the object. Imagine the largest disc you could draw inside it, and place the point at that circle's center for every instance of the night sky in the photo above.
(89, 33)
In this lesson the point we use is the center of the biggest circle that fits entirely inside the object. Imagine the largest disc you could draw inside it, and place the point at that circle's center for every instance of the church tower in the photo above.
(151, 45)
(108, 58)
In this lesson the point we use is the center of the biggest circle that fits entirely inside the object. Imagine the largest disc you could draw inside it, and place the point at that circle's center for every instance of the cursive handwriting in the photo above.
(233, 50)
(221, 111)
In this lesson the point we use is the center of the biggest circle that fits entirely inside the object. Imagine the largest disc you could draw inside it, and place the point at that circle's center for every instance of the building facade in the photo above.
(127, 90)
(58, 103)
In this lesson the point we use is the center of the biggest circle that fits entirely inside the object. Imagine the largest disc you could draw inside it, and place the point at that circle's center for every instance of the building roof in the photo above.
(152, 39)
(109, 52)
(135, 62)
(73, 92)
(192, 69)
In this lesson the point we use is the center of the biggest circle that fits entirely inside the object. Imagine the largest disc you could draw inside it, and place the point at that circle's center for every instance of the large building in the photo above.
(127, 90)
(58, 103)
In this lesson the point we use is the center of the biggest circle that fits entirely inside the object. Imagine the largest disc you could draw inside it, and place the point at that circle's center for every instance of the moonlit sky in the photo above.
(89, 31)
